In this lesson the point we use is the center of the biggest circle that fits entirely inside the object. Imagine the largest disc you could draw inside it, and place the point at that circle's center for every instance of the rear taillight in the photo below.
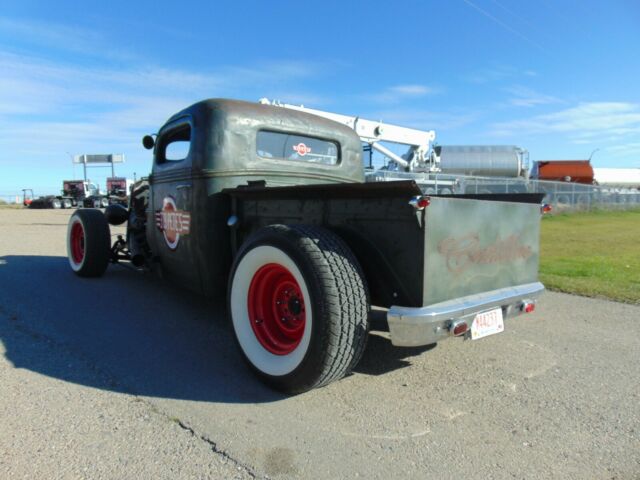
(458, 328)
(528, 307)
(420, 202)
(545, 208)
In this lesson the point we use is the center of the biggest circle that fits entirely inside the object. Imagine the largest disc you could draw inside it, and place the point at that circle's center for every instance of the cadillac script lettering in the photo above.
(172, 222)
(463, 252)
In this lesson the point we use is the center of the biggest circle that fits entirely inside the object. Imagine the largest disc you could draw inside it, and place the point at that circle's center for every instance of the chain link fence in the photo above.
(564, 196)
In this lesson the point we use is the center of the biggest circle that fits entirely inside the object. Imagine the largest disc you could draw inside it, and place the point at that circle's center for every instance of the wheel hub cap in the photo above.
(276, 309)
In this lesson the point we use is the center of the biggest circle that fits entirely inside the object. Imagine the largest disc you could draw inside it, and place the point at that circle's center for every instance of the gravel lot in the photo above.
(129, 377)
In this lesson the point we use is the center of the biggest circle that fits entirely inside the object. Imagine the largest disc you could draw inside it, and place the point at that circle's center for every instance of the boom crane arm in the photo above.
(419, 157)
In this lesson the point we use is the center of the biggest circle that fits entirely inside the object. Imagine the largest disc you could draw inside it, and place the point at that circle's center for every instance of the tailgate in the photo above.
(474, 246)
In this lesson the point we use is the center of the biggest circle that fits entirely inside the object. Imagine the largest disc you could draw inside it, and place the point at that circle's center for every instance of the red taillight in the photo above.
(545, 208)
(528, 307)
(423, 202)
(459, 328)
(420, 203)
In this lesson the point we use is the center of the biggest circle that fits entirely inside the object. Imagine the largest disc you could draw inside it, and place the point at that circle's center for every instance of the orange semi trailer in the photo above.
(576, 171)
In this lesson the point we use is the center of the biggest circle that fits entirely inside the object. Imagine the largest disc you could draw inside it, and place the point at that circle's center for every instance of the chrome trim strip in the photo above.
(424, 325)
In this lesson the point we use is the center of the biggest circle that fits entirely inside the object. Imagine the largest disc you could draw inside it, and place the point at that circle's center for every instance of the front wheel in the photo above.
(88, 243)
(299, 306)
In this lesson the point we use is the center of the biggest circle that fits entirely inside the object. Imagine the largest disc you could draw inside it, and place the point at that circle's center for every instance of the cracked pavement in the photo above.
(130, 377)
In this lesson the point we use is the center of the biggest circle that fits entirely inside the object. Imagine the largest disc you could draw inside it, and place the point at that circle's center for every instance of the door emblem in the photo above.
(172, 222)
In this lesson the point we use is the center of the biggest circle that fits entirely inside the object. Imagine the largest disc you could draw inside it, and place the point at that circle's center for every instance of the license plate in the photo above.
(487, 323)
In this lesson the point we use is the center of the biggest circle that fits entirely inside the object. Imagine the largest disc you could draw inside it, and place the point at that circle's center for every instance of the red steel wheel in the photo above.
(88, 243)
(276, 309)
(77, 242)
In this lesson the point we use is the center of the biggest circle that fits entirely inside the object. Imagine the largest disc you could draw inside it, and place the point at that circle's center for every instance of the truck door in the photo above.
(172, 203)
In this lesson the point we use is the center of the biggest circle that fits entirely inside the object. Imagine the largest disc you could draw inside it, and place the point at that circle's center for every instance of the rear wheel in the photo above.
(299, 307)
(88, 243)
(55, 203)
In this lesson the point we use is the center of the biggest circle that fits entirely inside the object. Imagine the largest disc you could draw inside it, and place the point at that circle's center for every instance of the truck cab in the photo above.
(236, 144)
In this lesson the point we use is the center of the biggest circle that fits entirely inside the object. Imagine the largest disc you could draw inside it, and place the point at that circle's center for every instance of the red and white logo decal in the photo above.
(301, 149)
(172, 222)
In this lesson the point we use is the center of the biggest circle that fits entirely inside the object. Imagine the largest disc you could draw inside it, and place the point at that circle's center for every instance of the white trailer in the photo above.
(617, 177)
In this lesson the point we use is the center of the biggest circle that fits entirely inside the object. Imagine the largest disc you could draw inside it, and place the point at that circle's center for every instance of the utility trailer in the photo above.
(268, 208)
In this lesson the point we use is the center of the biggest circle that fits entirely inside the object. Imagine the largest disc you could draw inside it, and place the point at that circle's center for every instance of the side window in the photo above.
(175, 144)
(286, 146)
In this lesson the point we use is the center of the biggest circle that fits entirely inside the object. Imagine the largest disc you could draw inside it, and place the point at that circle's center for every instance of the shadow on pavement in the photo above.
(144, 335)
(381, 357)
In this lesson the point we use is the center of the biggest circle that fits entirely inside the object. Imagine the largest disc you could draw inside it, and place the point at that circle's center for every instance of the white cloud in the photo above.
(527, 97)
(412, 90)
(631, 148)
(398, 93)
(588, 120)
(61, 37)
(49, 108)
(498, 73)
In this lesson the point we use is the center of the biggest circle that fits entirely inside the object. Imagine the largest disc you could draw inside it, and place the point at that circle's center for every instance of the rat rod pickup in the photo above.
(269, 208)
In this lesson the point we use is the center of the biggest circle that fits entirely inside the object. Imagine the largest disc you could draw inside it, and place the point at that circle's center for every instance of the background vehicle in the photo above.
(269, 207)
(118, 189)
(577, 171)
(48, 201)
(75, 193)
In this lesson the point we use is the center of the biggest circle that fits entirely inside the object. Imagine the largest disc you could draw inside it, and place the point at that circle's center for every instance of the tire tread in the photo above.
(343, 303)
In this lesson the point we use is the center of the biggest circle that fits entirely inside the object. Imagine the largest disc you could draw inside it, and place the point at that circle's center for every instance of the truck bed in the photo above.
(459, 245)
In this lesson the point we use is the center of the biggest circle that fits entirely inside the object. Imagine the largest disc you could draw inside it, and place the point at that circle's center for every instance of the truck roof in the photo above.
(225, 131)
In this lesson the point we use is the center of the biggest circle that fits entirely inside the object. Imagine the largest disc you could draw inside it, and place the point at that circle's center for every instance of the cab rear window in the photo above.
(286, 146)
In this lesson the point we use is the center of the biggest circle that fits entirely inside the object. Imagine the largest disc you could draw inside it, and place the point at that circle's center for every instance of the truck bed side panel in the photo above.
(375, 220)
(475, 246)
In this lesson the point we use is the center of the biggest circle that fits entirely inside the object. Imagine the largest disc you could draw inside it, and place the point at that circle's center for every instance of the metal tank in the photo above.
(483, 160)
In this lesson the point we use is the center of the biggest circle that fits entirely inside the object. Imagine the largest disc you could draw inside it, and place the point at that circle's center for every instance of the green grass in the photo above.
(596, 254)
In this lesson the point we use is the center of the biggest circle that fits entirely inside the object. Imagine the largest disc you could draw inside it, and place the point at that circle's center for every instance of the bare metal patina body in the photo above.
(254, 180)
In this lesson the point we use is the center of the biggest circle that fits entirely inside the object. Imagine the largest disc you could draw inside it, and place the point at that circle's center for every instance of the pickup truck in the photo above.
(269, 209)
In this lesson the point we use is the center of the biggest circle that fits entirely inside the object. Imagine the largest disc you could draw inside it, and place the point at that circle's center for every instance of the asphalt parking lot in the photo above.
(130, 377)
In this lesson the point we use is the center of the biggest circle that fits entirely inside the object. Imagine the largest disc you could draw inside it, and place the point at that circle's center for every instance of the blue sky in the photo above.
(560, 78)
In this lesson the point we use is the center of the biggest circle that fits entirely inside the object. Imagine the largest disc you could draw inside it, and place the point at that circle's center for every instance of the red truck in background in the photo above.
(575, 171)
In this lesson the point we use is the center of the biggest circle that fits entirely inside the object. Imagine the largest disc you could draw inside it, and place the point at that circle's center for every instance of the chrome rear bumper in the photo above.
(412, 327)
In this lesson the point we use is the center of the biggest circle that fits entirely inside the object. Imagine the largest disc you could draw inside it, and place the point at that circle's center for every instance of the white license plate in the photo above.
(487, 323)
